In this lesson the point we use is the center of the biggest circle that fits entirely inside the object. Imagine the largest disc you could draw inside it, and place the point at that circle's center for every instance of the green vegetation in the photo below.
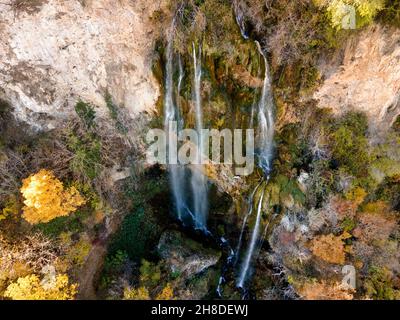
(115, 114)
(366, 11)
(379, 285)
(85, 144)
(350, 144)
(86, 112)
(135, 235)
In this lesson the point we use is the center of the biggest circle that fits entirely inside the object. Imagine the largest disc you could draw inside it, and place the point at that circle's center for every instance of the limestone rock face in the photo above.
(184, 255)
(365, 76)
(54, 52)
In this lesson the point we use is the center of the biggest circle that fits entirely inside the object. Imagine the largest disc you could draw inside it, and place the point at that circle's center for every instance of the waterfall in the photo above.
(266, 125)
(249, 212)
(171, 114)
(264, 153)
(252, 245)
(198, 180)
(240, 19)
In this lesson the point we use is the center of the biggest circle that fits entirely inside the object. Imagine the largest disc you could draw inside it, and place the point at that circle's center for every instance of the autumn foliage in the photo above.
(32, 288)
(324, 290)
(167, 293)
(329, 248)
(46, 198)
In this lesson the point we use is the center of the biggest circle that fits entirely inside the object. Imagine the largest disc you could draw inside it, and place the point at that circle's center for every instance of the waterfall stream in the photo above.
(198, 179)
(189, 206)
(252, 245)
(266, 125)
(171, 116)
(265, 153)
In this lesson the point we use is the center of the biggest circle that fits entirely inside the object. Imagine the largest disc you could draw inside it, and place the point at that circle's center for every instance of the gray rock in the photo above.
(185, 256)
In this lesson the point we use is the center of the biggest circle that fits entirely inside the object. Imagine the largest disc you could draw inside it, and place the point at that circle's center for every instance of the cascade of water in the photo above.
(265, 151)
(249, 212)
(171, 110)
(266, 123)
(252, 245)
(240, 19)
(198, 179)
(179, 90)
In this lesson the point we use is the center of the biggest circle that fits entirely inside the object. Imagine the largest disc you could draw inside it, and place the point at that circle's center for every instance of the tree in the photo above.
(329, 248)
(167, 293)
(324, 290)
(366, 10)
(32, 288)
(46, 198)
(136, 294)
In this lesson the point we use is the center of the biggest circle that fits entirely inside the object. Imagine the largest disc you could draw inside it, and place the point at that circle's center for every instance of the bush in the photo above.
(87, 154)
(86, 113)
(350, 144)
(115, 114)
(136, 236)
(391, 13)
(150, 274)
(379, 285)
(62, 224)
(136, 294)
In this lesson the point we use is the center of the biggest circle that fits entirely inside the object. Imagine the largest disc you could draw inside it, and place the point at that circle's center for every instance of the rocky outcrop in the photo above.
(55, 52)
(185, 256)
(365, 76)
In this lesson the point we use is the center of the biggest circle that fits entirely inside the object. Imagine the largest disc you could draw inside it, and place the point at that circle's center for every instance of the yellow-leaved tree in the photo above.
(32, 288)
(167, 293)
(365, 10)
(136, 294)
(46, 198)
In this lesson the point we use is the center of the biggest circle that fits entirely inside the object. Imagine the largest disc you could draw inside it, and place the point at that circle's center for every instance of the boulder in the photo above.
(185, 256)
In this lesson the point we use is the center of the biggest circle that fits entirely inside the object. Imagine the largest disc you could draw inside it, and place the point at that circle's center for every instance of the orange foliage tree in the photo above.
(46, 198)
(329, 248)
(324, 290)
(167, 293)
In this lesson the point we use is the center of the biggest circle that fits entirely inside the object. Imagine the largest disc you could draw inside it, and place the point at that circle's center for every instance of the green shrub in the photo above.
(150, 274)
(391, 13)
(379, 285)
(348, 224)
(114, 114)
(86, 113)
(87, 154)
(56, 226)
(136, 236)
(350, 144)
(115, 262)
